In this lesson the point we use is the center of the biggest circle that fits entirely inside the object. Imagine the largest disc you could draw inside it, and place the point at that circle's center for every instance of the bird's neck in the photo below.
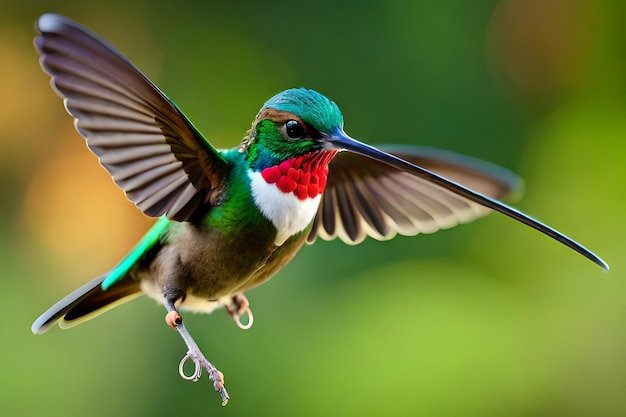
(289, 193)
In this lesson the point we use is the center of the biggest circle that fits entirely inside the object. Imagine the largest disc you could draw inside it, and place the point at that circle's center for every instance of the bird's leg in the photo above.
(237, 307)
(175, 321)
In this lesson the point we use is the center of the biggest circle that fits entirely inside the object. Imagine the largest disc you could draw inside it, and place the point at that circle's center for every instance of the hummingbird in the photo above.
(228, 220)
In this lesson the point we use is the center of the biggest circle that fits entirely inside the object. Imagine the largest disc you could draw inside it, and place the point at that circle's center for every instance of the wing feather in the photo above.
(152, 151)
(365, 197)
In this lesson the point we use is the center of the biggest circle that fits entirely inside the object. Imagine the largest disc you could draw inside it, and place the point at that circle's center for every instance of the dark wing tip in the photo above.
(42, 324)
(50, 22)
(58, 310)
(56, 23)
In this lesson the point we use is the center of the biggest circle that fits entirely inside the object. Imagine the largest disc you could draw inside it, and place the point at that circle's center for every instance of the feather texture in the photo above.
(149, 147)
(365, 197)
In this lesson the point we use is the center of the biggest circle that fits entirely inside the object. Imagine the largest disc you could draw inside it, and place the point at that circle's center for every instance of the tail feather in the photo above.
(86, 302)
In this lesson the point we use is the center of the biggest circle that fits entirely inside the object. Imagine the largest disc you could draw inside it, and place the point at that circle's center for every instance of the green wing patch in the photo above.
(147, 242)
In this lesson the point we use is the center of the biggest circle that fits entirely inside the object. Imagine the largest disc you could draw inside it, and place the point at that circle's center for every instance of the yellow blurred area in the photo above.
(487, 319)
(24, 95)
(71, 199)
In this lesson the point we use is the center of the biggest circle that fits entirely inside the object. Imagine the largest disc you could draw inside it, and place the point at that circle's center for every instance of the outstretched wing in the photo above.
(364, 197)
(164, 165)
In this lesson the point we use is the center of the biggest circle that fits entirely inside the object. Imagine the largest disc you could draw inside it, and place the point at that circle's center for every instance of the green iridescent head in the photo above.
(289, 125)
(312, 107)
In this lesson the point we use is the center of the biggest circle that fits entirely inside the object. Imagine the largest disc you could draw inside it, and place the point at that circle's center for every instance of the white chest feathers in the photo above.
(288, 213)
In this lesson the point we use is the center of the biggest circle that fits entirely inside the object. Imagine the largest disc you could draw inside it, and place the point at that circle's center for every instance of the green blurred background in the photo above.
(487, 319)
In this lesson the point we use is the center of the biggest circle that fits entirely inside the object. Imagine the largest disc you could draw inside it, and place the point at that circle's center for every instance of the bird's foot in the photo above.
(200, 362)
(238, 306)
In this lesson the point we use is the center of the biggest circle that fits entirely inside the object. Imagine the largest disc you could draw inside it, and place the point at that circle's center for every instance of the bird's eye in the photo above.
(294, 129)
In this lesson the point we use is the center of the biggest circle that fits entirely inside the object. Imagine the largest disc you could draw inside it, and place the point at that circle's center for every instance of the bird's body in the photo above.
(194, 255)
(230, 219)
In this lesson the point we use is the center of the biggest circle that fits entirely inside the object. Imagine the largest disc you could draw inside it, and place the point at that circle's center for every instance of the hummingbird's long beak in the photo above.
(341, 141)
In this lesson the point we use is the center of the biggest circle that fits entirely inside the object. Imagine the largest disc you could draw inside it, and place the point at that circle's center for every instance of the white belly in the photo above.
(288, 213)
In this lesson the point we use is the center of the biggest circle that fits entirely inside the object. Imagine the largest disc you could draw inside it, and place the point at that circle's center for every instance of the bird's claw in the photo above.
(238, 307)
(175, 321)
(237, 318)
(200, 362)
(197, 372)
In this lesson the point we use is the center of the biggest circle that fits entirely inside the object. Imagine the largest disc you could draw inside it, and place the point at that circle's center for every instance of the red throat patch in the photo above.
(304, 176)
